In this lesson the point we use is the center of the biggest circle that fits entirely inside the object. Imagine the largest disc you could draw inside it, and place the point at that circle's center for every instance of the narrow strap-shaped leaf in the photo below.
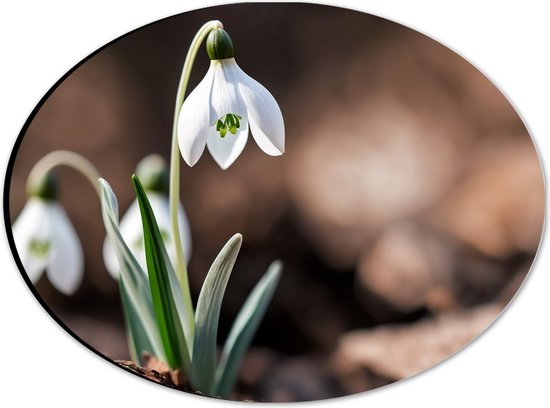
(138, 341)
(188, 326)
(136, 287)
(244, 327)
(208, 314)
(164, 306)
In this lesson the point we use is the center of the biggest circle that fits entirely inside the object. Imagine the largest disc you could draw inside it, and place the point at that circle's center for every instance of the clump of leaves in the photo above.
(157, 322)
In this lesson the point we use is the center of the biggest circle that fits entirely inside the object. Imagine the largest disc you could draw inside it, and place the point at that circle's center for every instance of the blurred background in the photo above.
(407, 208)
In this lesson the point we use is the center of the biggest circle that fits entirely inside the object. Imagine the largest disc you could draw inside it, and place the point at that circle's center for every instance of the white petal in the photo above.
(264, 115)
(225, 150)
(131, 230)
(225, 96)
(185, 234)
(65, 268)
(110, 259)
(194, 120)
(161, 208)
(32, 224)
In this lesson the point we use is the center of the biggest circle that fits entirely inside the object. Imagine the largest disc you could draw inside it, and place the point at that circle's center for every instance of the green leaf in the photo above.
(208, 314)
(136, 296)
(159, 269)
(244, 327)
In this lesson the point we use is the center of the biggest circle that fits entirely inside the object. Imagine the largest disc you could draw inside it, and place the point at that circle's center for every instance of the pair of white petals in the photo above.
(227, 89)
(46, 240)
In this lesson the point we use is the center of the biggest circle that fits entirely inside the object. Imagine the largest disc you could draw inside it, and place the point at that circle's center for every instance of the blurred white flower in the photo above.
(131, 230)
(153, 173)
(219, 112)
(46, 240)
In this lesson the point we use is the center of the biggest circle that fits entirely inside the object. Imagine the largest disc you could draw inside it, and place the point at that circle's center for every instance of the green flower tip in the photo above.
(46, 187)
(152, 171)
(219, 45)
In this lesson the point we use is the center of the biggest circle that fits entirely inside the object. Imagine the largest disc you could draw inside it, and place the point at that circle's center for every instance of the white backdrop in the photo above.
(40, 363)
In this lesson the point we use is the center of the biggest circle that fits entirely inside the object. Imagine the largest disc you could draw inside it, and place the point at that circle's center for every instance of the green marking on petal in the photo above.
(164, 235)
(39, 248)
(229, 122)
(138, 243)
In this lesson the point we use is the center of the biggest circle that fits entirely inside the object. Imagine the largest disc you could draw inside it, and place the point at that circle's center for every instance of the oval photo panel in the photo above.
(306, 204)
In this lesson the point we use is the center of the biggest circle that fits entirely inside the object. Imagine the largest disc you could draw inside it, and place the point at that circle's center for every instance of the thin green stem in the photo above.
(65, 158)
(181, 266)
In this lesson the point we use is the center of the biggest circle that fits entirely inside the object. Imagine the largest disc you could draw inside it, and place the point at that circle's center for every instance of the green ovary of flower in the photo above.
(229, 122)
(39, 248)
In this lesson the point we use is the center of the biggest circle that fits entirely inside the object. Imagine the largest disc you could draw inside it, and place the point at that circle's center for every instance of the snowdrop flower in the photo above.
(153, 175)
(46, 240)
(225, 104)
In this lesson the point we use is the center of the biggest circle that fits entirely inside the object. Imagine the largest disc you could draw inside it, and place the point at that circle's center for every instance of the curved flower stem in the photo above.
(181, 267)
(65, 158)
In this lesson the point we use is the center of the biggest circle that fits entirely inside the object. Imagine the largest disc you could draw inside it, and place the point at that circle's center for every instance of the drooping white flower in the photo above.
(46, 240)
(222, 108)
(153, 174)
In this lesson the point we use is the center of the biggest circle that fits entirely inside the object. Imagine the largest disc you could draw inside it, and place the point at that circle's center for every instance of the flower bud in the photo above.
(46, 187)
(152, 171)
(219, 45)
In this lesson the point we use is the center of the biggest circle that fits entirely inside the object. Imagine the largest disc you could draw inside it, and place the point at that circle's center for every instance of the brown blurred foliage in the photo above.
(407, 208)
